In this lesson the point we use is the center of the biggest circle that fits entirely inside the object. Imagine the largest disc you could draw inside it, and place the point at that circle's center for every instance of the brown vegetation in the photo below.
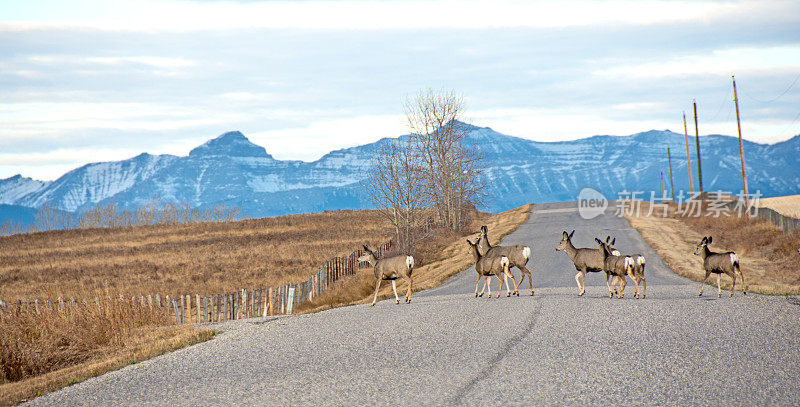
(179, 259)
(49, 350)
(785, 205)
(768, 257)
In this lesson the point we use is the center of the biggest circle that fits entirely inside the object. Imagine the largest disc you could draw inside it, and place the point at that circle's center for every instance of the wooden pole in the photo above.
(688, 156)
(671, 184)
(697, 141)
(741, 149)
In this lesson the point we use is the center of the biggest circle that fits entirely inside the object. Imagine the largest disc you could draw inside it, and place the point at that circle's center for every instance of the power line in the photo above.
(779, 96)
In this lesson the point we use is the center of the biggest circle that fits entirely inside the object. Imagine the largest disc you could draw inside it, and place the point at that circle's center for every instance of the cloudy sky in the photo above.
(85, 81)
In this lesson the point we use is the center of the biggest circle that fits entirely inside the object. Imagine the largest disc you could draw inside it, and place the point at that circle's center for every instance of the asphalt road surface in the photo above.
(449, 348)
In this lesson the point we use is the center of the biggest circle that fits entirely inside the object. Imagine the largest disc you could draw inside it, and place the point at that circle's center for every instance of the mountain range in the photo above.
(232, 170)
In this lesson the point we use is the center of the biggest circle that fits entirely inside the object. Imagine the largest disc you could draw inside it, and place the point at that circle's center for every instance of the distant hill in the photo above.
(230, 169)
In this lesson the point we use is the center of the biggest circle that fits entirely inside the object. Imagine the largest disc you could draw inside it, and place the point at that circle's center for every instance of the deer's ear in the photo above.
(366, 248)
(484, 229)
(613, 241)
(600, 242)
(570, 235)
(709, 240)
(608, 238)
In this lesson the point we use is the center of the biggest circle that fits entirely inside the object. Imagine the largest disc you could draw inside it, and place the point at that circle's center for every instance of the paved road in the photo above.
(448, 347)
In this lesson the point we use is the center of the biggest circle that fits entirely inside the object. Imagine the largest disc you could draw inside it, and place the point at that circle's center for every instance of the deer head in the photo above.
(611, 249)
(368, 256)
(565, 240)
(703, 243)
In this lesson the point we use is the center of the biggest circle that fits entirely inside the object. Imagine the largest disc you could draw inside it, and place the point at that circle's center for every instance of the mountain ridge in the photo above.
(231, 169)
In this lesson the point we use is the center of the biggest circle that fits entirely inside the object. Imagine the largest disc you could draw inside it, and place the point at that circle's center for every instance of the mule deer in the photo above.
(719, 263)
(638, 268)
(390, 268)
(518, 256)
(584, 259)
(617, 266)
(488, 266)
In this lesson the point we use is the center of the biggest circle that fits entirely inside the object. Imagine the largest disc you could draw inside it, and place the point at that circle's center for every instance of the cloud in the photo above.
(149, 15)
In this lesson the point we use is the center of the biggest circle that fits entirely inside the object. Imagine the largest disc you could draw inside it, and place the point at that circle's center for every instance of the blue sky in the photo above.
(87, 81)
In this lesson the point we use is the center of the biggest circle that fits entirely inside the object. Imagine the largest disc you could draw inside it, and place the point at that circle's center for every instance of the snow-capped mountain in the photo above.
(230, 169)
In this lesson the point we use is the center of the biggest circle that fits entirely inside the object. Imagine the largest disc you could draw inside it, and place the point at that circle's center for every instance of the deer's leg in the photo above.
(622, 287)
(578, 280)
(508, 290)
(408, 292)
(513, 280)
(501, 285)
(733, 286)
(744, 288)
(489, 283)
(476, 285)
(702, 283)
(530, 278)
(608, 275)
(484, 285)
(394, 287)
(644, 286)
(719, 289)
(377, 287)
(521, 279)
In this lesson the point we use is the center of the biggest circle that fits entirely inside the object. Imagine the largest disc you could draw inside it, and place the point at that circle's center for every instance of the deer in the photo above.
(638, 268)
(616, 265)
(488, 266)
(518, 256)
(390, 268)
(584, 259)
(719, 263)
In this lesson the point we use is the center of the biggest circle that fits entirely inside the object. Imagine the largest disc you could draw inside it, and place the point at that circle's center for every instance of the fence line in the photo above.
(786, 223)
(244, 303)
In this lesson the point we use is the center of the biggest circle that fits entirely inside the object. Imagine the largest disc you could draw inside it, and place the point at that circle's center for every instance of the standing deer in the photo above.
(488, 266)
(638, 268)
(390, 268)
(584, 259)
(719, 263)
(616, 265)
(518, 256)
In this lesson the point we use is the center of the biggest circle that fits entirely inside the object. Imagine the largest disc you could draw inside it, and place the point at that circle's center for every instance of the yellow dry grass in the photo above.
(146, 344)
(196, 258)
(785, 205)
(449, 261)
(675, 238)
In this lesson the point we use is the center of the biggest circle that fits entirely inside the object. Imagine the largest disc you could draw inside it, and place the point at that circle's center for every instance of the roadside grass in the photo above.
(47, 351)
(448, 255)
(768, 257)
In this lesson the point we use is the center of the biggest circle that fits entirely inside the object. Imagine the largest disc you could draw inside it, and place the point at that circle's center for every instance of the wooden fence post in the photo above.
(158, 299)
(177, 314)
(150, 300)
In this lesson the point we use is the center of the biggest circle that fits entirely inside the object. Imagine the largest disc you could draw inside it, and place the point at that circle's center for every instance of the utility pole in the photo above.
(741, 149)
(671, 185)
(688, 155)
(697, 141)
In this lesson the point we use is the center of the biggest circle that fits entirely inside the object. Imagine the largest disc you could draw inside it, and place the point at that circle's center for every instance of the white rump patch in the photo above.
(615, 252)
(628, 262)
(734, 258)
(410, 262)
(526, 252)
(504, 261)
(640, 260)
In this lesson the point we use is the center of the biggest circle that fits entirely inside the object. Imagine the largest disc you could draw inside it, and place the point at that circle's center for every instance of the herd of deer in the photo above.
(497, 261)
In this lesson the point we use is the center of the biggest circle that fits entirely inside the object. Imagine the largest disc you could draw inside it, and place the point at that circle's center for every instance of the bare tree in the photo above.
(47, 217)
(396, 186)
(451, 170)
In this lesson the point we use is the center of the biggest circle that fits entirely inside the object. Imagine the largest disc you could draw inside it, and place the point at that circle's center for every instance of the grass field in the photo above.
(785, 205)
(768, 257)
(178, 259)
